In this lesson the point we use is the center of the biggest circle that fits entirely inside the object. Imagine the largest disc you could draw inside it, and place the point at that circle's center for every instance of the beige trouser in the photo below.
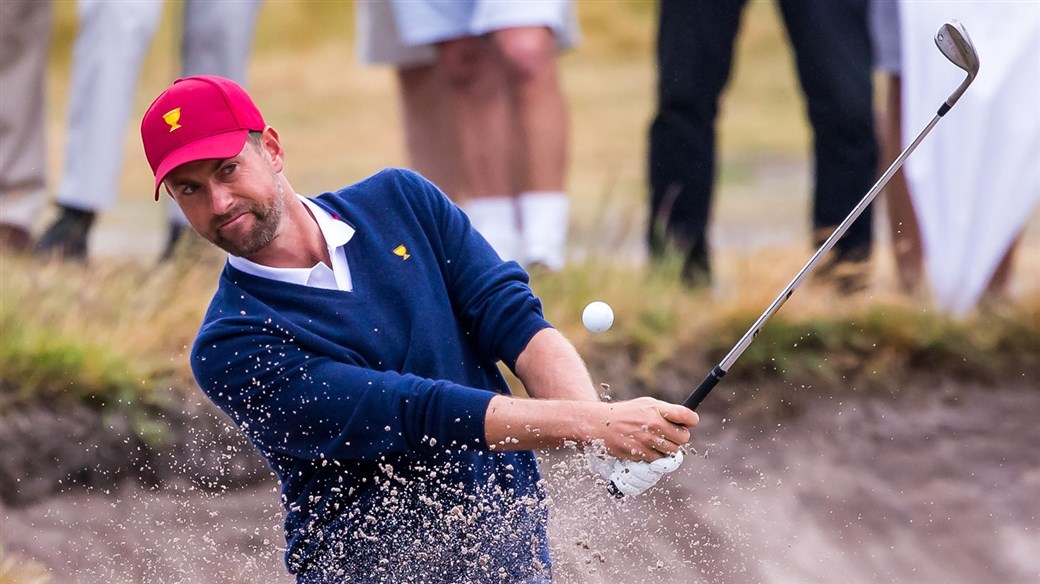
(25, 30)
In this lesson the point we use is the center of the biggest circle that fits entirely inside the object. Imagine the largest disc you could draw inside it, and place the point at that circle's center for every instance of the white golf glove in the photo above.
(631, 477)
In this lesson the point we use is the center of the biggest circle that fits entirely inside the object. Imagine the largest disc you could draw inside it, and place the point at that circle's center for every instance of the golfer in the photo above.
(354, 338)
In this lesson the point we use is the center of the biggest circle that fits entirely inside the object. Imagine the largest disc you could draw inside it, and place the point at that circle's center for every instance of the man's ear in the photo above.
(272, 146)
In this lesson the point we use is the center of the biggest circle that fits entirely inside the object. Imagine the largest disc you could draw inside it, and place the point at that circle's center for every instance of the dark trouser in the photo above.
(695, 52)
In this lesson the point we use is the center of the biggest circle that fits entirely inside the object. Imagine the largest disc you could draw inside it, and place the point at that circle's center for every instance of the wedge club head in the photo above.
(953, 41)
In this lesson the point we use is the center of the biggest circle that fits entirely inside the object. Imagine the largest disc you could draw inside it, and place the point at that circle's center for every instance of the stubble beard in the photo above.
(268, 218)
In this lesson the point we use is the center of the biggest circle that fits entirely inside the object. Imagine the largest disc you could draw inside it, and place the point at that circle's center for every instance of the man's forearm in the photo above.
(525, 424)
(639, 429)
(550, 368)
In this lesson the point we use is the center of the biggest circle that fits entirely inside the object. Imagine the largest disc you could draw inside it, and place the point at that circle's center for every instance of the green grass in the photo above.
(40, 364)
(114, 337)
(881, 343)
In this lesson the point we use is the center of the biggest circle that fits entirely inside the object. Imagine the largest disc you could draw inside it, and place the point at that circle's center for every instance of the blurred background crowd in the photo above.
(484, 113)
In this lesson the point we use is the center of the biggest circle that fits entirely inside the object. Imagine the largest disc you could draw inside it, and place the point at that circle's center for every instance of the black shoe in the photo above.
(847, 270)
(66, 238)
(173, 237)
(696, 258)
(186, 247)
(696, 270)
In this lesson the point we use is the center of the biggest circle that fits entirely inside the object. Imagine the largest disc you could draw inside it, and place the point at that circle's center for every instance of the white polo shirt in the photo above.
(336, 234)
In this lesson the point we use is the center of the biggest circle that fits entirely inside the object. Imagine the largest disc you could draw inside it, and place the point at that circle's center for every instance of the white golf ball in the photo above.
(597, 316)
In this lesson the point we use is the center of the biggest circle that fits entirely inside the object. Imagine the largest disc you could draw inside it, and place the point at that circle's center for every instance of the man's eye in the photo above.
(230, 168)
(188, 189)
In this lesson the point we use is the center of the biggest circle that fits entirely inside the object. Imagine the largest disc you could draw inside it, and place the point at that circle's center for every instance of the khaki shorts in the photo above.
(403, 32)
(378, 42)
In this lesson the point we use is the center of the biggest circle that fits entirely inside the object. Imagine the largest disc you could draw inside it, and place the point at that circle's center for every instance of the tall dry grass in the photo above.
(119, 333)
(123, 324)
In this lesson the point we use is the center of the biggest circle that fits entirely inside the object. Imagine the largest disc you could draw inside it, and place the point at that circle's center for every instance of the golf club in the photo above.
(953, 41)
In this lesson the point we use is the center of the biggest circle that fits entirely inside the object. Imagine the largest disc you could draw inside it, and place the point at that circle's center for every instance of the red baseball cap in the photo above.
(197, 118)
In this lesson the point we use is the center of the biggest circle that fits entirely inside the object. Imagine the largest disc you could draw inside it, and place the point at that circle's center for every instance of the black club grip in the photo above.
(704, 388)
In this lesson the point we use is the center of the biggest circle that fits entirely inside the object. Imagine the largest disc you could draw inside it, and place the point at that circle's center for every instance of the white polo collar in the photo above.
(336, 233)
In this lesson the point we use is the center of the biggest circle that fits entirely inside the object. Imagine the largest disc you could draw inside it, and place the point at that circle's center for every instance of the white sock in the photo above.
(495, 219)
(543, 219)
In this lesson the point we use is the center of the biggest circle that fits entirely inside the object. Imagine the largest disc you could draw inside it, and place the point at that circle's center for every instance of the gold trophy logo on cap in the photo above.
(172, 117)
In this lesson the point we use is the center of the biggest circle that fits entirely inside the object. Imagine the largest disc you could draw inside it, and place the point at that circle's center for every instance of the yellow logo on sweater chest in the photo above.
(402, 251)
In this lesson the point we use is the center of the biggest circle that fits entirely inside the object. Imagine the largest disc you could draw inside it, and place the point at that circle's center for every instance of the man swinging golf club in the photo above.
(354, 338)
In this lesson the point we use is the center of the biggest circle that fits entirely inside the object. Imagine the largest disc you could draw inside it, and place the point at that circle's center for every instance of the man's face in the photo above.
(235, 203)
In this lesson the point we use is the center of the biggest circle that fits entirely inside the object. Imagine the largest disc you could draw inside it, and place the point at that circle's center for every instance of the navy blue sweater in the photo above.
(370, 404)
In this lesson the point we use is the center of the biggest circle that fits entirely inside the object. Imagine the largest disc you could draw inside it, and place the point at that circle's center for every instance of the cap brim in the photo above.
(216, 147)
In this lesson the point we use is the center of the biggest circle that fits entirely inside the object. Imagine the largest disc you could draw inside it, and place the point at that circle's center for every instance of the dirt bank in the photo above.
(940, 485)
(935, 484)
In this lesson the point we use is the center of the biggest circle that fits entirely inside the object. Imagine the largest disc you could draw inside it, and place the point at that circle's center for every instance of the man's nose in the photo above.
(220, 198)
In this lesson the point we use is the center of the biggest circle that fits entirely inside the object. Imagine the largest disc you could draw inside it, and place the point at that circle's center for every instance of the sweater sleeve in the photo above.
(292, 402)
(491, 297)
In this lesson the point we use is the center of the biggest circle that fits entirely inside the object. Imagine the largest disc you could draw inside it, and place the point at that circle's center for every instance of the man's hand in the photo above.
(645, 436)
(631, 477)
(642, 429)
